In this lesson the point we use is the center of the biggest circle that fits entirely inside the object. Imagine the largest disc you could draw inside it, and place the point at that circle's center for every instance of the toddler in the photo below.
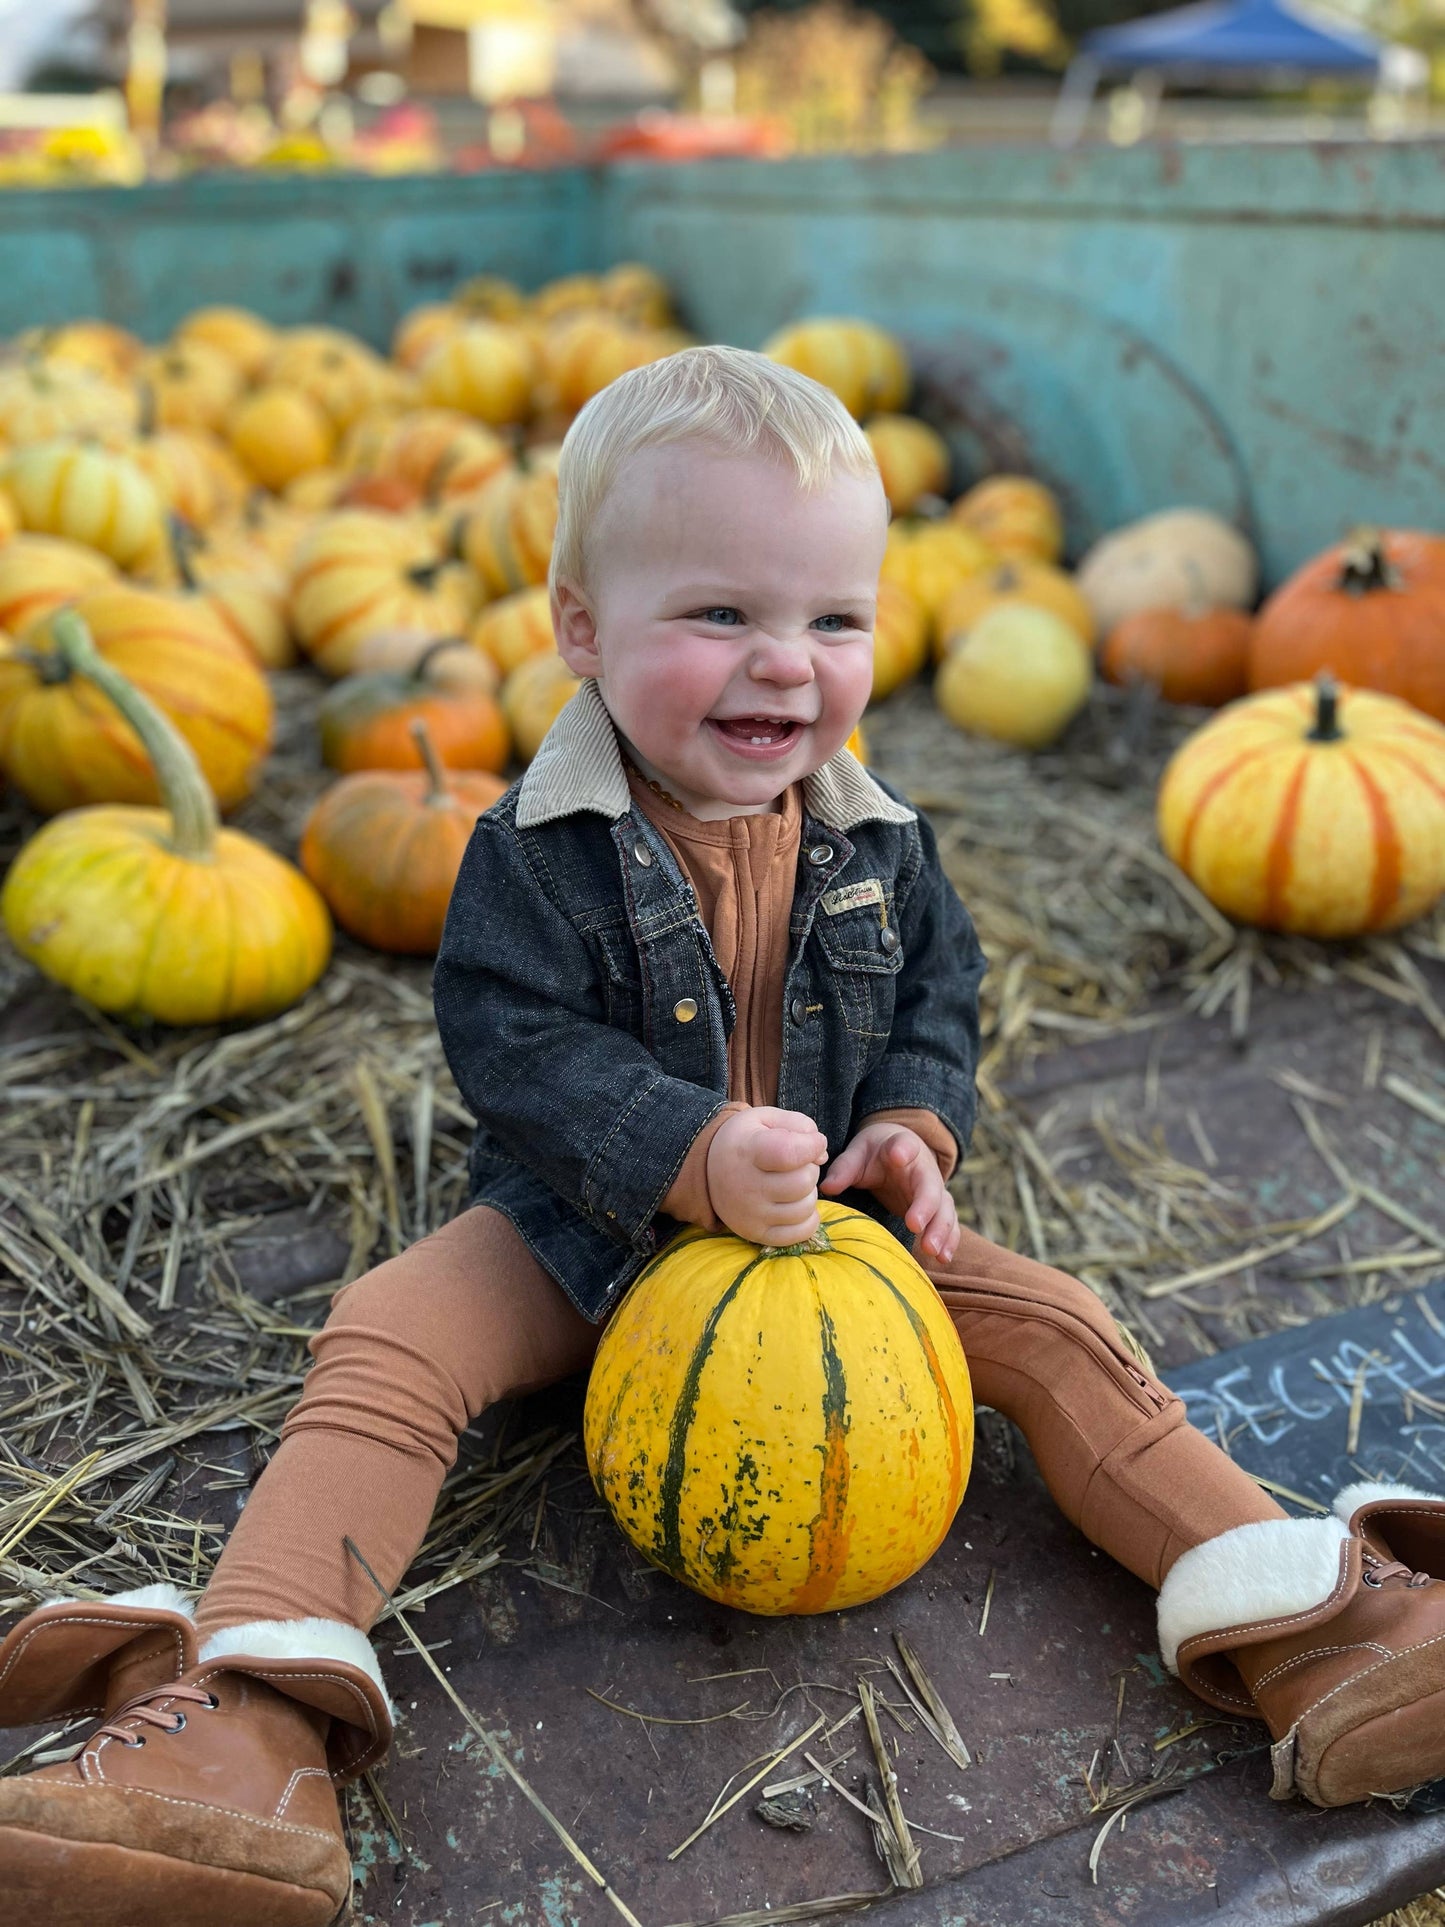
(700, 967)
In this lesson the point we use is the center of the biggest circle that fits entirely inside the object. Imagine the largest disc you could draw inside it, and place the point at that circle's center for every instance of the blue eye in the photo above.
(724, 617)
(834, 625)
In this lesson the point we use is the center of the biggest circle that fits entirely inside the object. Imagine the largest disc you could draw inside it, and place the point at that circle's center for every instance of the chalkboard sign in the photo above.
(1357, 1396)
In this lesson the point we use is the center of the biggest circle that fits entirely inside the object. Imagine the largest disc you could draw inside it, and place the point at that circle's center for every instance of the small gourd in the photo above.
(158, 912)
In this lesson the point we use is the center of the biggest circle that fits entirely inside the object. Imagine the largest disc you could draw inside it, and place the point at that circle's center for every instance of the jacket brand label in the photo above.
(850, 895)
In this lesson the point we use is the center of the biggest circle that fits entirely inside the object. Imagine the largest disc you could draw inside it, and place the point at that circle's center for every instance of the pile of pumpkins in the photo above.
(241, 497)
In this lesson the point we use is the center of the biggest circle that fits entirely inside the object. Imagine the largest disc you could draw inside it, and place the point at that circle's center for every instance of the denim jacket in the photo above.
(586, 1018)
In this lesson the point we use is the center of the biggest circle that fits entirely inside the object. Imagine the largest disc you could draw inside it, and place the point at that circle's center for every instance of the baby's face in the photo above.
(728, 617)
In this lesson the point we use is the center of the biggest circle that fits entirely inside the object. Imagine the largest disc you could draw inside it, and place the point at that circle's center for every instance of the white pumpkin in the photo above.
(1168, 561)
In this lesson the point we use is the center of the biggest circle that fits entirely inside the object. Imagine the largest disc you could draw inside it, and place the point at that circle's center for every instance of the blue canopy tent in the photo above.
(1215, 40)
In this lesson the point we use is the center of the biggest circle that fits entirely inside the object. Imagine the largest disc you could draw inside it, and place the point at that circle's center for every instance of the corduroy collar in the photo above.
(579, 767)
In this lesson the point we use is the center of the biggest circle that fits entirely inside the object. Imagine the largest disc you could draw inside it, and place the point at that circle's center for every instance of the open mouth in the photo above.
(757, 732)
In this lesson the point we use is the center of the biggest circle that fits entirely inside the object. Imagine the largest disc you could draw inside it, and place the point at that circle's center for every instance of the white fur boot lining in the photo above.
(299, 1639)
(1369, 1491)
(1249, 1573)
(162, 1596)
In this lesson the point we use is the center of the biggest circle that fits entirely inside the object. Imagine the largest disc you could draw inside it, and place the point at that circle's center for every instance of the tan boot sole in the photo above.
(1389, 1754)
(89, 1883)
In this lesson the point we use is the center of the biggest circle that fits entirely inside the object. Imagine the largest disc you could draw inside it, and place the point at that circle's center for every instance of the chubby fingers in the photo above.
(789, 1147)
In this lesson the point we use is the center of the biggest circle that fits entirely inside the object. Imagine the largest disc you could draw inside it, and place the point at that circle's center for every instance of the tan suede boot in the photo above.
(207, 1795)
(1314, 1626)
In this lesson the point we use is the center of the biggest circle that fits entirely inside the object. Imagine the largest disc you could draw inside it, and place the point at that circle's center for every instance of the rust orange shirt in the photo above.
(742, 870)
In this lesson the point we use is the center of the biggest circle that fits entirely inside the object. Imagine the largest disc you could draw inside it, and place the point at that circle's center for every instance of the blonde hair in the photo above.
(725, 398)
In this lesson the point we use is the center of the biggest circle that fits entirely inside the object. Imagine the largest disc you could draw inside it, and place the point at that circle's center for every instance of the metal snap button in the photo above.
(798, 1011)
(820, 854)
(685, 1010)
(888, 941)
(641, 852)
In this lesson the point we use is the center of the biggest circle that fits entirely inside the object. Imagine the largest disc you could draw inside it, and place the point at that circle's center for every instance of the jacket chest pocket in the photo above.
(863, 957)
(621, 978)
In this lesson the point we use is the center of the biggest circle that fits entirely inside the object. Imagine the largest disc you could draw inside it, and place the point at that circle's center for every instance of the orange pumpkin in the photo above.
(279, 433)
(900, 639)
(384, 848)
(1015, 516)
(1372, 612)
(242, 336)
(514, 628)
(913, 459)
(1192, 655)
(507, 534)
(366, 720)
(1311, 809)
(358, 572)
(62, 743)
(485, 369)
(1035, 584)
(190, 385)
(39, 573)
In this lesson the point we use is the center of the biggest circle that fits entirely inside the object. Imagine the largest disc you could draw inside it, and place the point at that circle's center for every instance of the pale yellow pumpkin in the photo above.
(40, 400)
(507, 532)
(1177, 559)
(158, 913)
(339, 373)
(190, 385)
(243, 337)
(785, 1431)
(1019, 675)
(87, 494)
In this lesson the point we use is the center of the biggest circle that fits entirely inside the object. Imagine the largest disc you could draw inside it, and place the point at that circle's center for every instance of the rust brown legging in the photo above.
(416, 1349)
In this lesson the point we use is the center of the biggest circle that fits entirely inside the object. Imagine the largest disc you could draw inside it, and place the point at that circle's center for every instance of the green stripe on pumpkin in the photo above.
(828, 1533)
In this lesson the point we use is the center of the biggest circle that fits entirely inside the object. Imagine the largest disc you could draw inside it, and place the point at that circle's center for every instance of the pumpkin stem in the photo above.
(424, 574)
(820, 1241)
(1366, 566)
(423, 661)
(183, 540)
(435, 768)
(183, 788)
(1327, 711)
(148, 419)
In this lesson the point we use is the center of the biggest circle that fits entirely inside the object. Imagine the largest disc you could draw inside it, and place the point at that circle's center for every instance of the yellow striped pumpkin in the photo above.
(86, 494)
(39, 572)
(515, 628)
(507, 535)
(784, 1431)
(485, 369)
(866, 367)
(357, 573)
(1311, 810)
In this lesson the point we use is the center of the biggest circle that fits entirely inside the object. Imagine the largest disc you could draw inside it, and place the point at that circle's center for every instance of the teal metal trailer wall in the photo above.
(1260, 329)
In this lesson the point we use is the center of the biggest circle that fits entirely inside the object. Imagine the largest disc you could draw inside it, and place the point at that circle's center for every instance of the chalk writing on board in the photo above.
(1300, 1386)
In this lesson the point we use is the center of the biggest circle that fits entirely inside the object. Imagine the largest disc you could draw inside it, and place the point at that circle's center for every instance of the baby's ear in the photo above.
(575, 628)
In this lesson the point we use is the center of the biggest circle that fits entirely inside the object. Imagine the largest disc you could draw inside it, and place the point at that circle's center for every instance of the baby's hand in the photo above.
(762, 1174)
(901, 1171)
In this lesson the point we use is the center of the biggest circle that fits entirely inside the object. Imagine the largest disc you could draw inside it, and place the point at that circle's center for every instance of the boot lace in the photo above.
(1378, 1570)
(139, 1708)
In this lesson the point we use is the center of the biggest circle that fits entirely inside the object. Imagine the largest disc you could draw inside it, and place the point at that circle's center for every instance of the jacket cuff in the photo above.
(637, 1162)
(904, 1081)
(689, 1200)
(925, 1124)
